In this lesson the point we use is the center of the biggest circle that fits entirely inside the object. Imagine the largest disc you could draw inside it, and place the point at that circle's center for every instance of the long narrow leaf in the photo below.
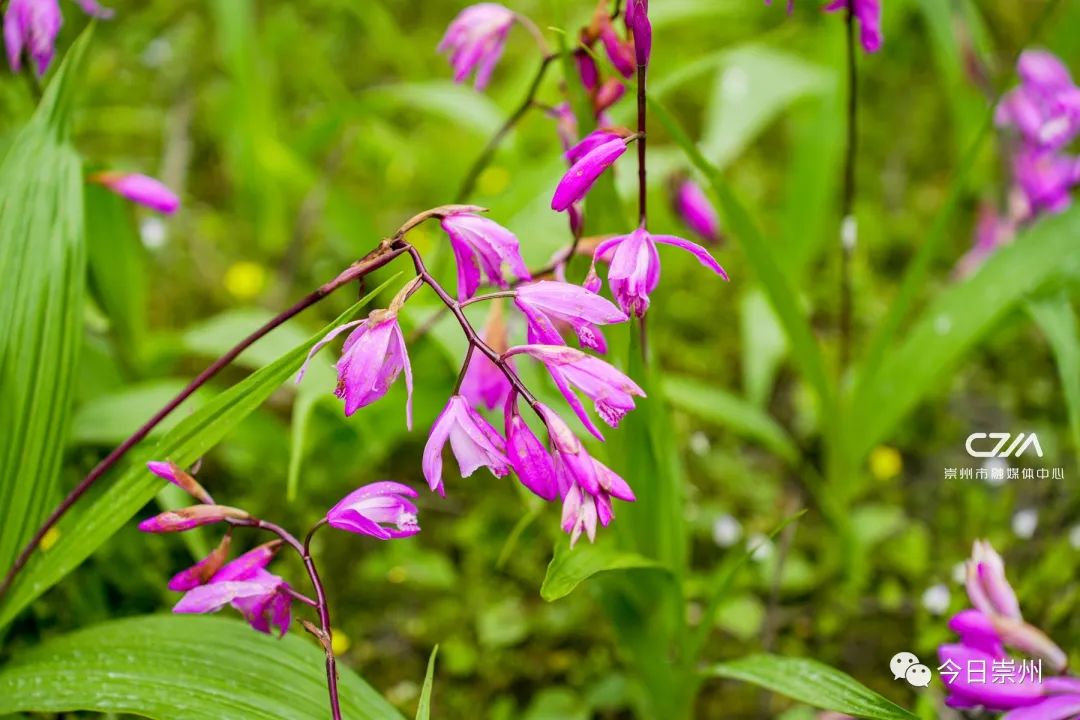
(182, 668)
(43, 263)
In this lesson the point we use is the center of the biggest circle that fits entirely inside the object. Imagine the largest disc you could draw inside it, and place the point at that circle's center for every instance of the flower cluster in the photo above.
(994, 623)
(866, 12)
(374, 354)
(31, 27)
(381, 510)
(1044, 112)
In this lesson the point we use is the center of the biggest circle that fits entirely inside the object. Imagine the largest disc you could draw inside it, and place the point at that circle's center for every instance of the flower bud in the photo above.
(190, 517)
(181, 479)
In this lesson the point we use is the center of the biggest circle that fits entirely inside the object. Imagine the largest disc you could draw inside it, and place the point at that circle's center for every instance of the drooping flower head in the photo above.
(373, 356)
(191, 517)
(141, 189)
(547, 304)
(31, 26)
(581, 176)
(611, 391)
(586, 485)
(474, 441)
(475, 39)
(528, 456)
(1045, 106)
(868, 13)
(381, 510)
(592, 141)
(693, 206)
(484, 383)
(482, 244)
(201, 572)
(261, 597)
(620, 52)
(634, 270)
(181, 479)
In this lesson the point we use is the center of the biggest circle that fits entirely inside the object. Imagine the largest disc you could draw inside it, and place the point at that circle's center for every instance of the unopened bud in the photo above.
(191, 517)
(184, 481)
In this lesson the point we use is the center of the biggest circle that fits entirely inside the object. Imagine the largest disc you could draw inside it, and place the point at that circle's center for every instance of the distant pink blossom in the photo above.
(141, 189)
(475, 41)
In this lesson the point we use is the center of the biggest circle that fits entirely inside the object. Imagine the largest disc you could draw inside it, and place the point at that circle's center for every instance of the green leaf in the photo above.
(572, 566)
(956, 321)
(813, 683)
(117, 265)
(106, 509)
(806, 352)
(753, 87)
(109, 419)
(721, 584)
(43, 263)
(730, 411)
(423, 710)
(182, 667)
(1056, 318)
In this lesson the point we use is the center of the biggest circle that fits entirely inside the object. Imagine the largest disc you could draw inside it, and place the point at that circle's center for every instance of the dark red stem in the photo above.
(325, 634)
(374, 260)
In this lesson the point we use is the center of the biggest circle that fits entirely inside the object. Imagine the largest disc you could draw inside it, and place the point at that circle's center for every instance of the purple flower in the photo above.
(1045, 177)
(587, 70)
(609, 93)
(201, 572)
(261, 597)
(141, 189)
(380, 510)
(868, 13)
(546, 303)
(479, 243)
(620, 52)
(371, 359)
(583, 173)
(475, 40)
(472, 438)
(1045, 107)
(638, 22)
(963, 693)
(191, 517)
(991, 232)
(692, 205)
(589, 143)
(484, 383)
(586, 485)
(611, 391)
(181, 479)
(1062, 702)
(987, 587)
(95, 9)
(32, 26)
(528, 456)
(635, 266)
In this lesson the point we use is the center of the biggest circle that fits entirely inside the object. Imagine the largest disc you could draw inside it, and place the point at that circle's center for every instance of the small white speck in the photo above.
(1024, 523)
(849, 233)
(942, 324)
(152, 230)
(936, 599)
(726, 531)
(761, 547)
(699, 443)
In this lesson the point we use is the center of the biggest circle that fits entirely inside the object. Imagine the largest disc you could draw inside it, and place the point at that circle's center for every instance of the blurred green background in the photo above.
(299, 134)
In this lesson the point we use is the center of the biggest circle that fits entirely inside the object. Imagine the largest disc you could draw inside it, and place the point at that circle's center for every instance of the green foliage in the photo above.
(570, 567)
(43, 263)
(190, 667)
(813, 683)
(423, 709)
(105, 512)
